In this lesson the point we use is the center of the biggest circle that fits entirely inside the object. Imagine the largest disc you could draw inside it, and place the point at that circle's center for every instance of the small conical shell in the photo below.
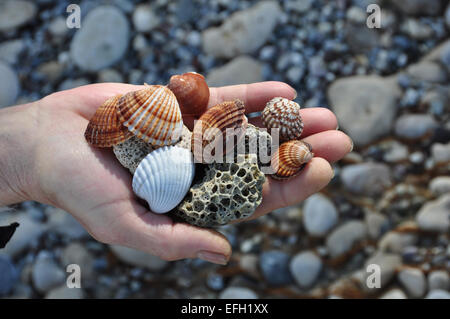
(105, 128)
(164, 177)
(191, 91)
(219, 119)
(152, 114)
(290, 158)
(283, 114)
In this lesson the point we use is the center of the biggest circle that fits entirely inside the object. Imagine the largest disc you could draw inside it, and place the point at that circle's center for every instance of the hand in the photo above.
(55, 165)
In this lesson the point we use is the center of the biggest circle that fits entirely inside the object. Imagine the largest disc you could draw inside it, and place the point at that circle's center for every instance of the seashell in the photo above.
(164, 177)
(283, 114)
(219, 119)
(290, 158)
(105, 128)
(191, 91)
(152, 114)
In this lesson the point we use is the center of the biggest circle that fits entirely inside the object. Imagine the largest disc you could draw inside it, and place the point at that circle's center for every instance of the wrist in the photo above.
(17, 152)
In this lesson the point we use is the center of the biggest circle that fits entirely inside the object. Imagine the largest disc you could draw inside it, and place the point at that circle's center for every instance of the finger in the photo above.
(255, 95)
(86, 99)
(315, 176)
(315, 120)
(158, 235)
(330, 145)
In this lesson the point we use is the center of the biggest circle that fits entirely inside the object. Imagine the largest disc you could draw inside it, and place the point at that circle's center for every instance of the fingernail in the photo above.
(337, 127)
(212, 257)
(351, 141)
(295, 94)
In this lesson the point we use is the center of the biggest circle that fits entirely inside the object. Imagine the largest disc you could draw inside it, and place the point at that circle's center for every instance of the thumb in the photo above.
(159, 235)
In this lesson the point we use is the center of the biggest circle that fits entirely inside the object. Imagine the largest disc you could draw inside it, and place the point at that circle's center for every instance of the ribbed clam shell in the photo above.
(152, 114)
(164, 177)
(105, 128)
(283, 114)
(290, 158)
(191, 91)
(215, 121)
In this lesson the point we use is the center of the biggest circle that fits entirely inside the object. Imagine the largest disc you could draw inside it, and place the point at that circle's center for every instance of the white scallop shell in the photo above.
(164, 177)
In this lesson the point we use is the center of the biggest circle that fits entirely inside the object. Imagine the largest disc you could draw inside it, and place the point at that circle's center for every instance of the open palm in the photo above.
(90, 183)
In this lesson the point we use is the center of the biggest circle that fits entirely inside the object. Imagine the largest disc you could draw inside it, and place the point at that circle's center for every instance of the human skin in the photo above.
(44, 157)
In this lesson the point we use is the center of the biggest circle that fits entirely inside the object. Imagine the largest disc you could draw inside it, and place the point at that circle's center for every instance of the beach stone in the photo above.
(440, 153)
(435, 215)
(241, 70)
(300, 6)
(394, 294)
(76, 253)
(46, 274)
(415, 126)
(439, 279)
(345, 236)
(64, 292)
(10, 50)
(9, 85)
(447, 16)
(274, 266)
(96, 46)
(397, 152)
(428, 71)
(138, 258)
(413, 280)
(238, 293)
(243, 32)
(69, 84)
(249, 263)
(51, 71)
(418, 7)
(395, 242)
(365, 106)
(26, 234)
(416, 29)
(368, 179)
(144, 19)
(15, 13)
(305, 268)
(438, 294)
(110, 75)
(375, 224)
(8, 275)
(388, 264)
(440, 185)
(319, 215)
(58, 27)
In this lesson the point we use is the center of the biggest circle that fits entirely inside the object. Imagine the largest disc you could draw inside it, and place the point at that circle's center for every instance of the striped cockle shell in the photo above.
(290, 158)
(283, 114)
(152, 114)
(191, 91)
(164, 177)
(105, 128)
(225, 120)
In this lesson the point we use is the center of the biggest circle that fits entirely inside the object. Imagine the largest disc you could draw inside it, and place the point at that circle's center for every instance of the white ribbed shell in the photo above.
(164, 177)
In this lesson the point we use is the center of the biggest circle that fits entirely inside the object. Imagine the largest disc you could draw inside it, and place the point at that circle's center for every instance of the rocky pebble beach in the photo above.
(388, 203)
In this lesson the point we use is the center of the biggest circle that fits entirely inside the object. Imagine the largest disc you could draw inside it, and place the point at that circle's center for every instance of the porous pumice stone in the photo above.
(258, 142)
(227, 192)
(131, 152)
